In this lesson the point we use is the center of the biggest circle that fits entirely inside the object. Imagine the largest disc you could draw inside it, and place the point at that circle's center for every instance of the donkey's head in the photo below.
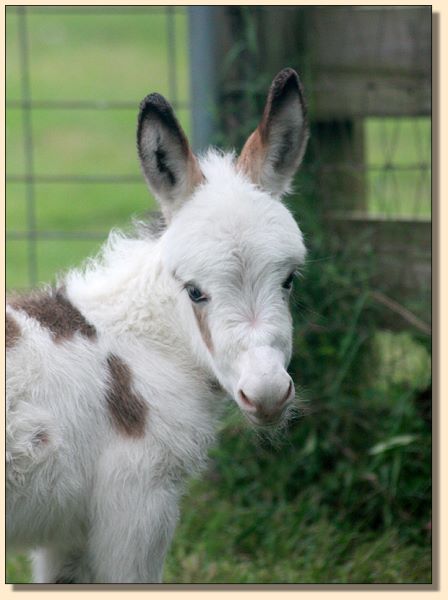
(231, 245)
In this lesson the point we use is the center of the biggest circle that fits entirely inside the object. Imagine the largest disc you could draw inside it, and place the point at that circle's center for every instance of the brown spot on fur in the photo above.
(12, 331)
(203, 327)
(128, 409)
(53, 310)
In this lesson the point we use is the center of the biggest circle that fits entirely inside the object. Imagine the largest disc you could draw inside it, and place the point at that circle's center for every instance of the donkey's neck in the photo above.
(127, 290)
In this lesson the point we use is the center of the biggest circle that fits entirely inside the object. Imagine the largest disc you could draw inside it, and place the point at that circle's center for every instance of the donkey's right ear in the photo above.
(169, 166)
(275, 149)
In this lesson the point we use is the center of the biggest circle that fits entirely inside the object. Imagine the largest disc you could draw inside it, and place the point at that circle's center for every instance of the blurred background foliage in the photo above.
(344, 494)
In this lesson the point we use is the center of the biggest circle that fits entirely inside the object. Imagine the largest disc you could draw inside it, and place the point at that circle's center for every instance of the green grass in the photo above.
(345, 498)
(18, 569)
(103, 55)
(277, 544)
(219, 541)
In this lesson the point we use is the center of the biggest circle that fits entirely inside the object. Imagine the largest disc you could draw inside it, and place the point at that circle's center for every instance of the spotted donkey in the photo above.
(115, 378)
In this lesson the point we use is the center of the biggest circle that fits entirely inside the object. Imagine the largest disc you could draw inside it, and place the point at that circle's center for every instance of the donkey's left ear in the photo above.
(169, 166)
(273, 152)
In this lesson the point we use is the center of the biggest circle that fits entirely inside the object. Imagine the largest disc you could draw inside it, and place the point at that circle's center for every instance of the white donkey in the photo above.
(115, 378)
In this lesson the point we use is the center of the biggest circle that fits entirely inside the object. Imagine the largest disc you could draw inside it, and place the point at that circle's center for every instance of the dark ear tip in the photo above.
(286, 73)
(285, 80)
(154, 103)
(155, 108)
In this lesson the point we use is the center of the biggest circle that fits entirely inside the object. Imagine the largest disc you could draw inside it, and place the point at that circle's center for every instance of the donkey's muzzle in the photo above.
(265, 414)
(264, 388)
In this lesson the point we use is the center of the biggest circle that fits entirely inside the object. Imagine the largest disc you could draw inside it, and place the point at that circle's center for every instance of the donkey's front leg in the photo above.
(133, 524)
(60, 564)
(131, 537)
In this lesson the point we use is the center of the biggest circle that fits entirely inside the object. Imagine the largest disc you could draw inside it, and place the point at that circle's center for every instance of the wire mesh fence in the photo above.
(58, 97)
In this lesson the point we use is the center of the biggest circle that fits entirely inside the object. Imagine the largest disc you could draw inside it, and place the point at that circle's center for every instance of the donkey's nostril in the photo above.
(246, 401)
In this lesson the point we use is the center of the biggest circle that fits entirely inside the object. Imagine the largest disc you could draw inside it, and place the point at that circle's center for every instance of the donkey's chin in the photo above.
(264, 421)
(278, 419)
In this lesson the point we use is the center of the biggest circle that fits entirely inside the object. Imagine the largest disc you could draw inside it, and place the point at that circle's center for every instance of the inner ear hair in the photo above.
(275, 149)
(168, 164)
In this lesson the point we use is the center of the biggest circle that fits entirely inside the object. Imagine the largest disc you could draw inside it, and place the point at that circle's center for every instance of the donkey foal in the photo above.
(116, 377)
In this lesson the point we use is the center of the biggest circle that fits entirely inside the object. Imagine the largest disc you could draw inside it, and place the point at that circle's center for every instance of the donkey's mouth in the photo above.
(264, 419)
(268, 412)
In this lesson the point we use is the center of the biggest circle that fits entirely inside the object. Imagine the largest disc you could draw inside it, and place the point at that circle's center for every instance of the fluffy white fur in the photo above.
(97, 505)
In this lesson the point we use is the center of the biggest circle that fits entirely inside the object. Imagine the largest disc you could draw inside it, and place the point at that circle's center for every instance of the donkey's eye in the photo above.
(287, 284)
(195, 294)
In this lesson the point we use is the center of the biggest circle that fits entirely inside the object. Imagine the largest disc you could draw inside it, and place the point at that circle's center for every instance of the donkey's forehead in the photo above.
(233, 222)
